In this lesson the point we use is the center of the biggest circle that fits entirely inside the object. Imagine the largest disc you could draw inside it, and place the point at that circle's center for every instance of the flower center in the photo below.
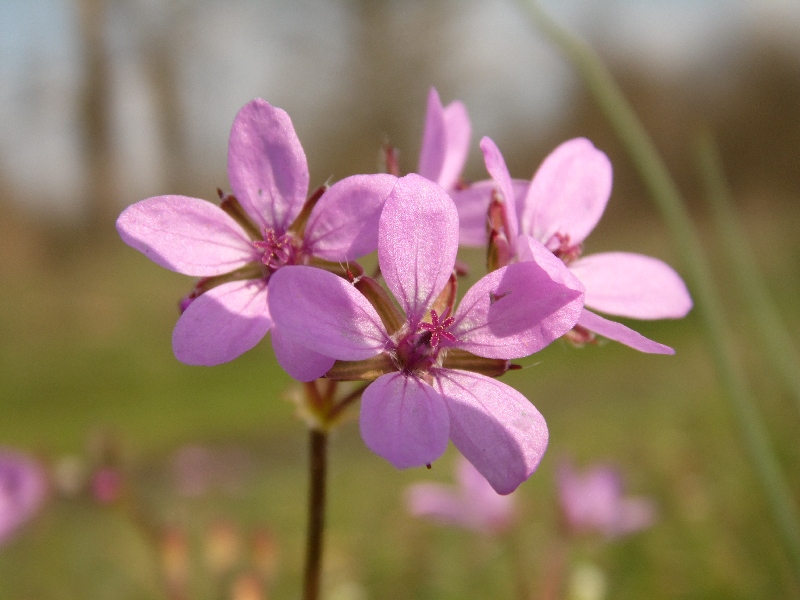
(561, 246)
(276, 250)
(419, 350)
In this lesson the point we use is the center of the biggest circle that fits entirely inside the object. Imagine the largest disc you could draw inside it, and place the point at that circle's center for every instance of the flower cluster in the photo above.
(273, 258)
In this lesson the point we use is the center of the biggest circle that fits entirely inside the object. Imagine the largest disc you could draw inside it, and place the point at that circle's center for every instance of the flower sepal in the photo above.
(466, 361)
(361, 370)
(390, 315)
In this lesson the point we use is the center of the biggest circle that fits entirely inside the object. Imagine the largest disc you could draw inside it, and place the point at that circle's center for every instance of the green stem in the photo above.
(665, 193)
(777, 344)
(316, 513)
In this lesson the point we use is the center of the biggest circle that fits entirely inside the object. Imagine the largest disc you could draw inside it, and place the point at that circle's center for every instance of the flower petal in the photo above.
(223, 323)
(519, 309)
(496, 166)
(404, 420)
(445, 142)
(632, 285)
(325, 313)
(344, 224)
(568, 193)
(187, 235)
(494, 426)
(417, 243)
(298, 361)
(473, 207)
(619, 333)
(267, 167)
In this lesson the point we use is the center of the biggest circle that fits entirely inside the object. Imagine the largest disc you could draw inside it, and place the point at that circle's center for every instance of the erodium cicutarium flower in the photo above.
(559, 208)
(266, 224)
(419, 401)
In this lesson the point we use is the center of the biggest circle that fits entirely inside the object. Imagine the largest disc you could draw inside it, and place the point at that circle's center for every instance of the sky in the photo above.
(300, 56)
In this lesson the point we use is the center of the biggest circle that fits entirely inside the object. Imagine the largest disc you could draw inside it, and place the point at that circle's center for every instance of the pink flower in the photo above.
(592, 502)
(409, 412)
(236, 248)
(23, 488)
(472, 504)
(560, 207)
(445, 142)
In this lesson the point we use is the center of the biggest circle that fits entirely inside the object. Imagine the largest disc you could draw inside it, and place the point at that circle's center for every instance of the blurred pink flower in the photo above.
(471, 504)
(559, 208)
(593, 502)
(409, 412)
(23, 488)
(445, 142)
(236, 248)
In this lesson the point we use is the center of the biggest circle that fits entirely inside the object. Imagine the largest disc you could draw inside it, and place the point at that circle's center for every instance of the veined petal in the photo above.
(519, 309)
(223, 323)
(619, 333)
(496, 166)
(404, 420)
(267, 167)
(568, 193)
(632, 285)
(445, 142)
(473, 206)
(417, 243)
(344, 223)
(494, 426)
(325, 313)
(187, 235)
(298, 361)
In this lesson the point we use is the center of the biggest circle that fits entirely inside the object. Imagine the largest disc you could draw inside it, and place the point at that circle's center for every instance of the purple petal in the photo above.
(445, 142)
(496, 166)
(187, 235)
(267, 167)
(494, 426)
(344, 224)
(23, 489)
(434, 139)
(568, 193)
(223, 323)
(325, 313)
(618, 332)
(492, 511)
(632, 285)
(298, 361)
(404, 420)
(473, 206)
(417, 243)
(519, 309)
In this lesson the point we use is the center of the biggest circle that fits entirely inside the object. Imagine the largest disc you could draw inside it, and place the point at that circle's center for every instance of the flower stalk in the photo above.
(318, 447)
(665, 194)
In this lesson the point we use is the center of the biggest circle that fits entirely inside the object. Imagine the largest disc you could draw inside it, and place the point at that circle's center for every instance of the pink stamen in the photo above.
(438, 330)
(566, 251)
(276, 251)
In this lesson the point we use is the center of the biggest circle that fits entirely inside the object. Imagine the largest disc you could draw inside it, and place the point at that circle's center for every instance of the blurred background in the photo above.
(106, 102)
